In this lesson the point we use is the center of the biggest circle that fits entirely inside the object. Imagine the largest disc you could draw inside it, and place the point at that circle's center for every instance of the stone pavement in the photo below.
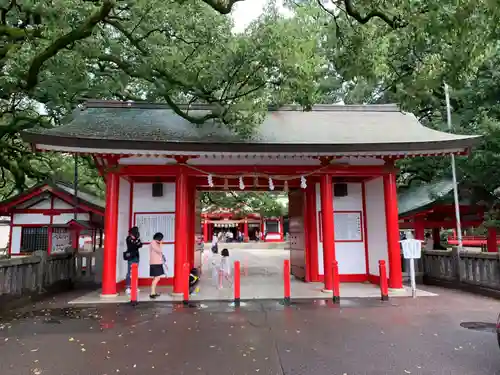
(362, 336)
(261, 278)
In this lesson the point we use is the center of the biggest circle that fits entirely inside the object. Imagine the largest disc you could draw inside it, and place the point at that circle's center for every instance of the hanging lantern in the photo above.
(303, 182)
(226, 184)
(271, 184)
(210, 181)
(242, 185)
(256, 181)
(285, 186)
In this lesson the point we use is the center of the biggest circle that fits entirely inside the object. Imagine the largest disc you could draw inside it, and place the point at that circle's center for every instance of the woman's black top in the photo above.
(133, 246)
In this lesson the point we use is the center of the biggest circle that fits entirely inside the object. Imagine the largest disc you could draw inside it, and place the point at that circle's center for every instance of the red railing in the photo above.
(473, 241)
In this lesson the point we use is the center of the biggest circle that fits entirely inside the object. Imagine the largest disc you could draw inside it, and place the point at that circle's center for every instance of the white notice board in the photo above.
(61, 240)
(151, 223)
(348, 226)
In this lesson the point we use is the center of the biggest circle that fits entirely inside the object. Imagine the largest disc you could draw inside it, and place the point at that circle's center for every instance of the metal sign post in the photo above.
(412, 249)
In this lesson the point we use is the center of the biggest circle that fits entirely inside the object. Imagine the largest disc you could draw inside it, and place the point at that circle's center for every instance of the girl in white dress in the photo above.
(225, 267)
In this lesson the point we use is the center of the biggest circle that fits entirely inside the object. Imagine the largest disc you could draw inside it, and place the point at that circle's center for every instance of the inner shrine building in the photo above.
(335, 161)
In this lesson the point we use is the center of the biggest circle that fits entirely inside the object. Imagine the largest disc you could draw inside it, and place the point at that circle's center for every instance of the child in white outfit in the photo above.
(224, 269)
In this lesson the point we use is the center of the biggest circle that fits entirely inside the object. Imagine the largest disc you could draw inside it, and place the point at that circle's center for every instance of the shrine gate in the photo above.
(336, 162)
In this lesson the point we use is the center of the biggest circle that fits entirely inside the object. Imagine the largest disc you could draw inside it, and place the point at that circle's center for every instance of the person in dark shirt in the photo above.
(131, 255)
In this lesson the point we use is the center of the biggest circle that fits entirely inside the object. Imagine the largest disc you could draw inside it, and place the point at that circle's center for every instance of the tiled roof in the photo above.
(326, 128)
(423, 196)
(83, 197)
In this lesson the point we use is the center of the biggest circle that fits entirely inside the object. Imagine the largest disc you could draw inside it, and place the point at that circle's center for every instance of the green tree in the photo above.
(267, 204)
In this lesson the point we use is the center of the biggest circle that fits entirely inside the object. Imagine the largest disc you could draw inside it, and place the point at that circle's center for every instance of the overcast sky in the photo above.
(245, 12)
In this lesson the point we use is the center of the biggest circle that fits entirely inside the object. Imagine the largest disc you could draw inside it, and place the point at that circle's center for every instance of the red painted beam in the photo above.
(202, 170)
(47, 211)
(440, 224)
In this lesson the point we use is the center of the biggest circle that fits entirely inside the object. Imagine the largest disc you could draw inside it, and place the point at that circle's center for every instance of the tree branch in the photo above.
(222, 6)
(81, 32)
(394, 22)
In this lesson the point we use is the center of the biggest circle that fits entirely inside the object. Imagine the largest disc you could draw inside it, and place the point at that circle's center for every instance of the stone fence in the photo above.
(88, 267)
(35, 274)
(467, 270)
(41, 273)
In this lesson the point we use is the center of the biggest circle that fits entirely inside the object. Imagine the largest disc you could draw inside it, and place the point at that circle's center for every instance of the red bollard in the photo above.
(186, 283)
(237, 283)
(336, 282)
(134, 282)
(286, 280)
(384, 289)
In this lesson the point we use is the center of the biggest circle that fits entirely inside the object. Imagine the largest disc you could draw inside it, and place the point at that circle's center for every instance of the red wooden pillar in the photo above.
(326, 191)
(263, 229)
(245, 231)
(392, 225)
(419, 228)
(181, 229)
(311, 232)
(205, 231)
(110, 235)
(491, 242)
(282, 235)
(11, 223)
(75, 234)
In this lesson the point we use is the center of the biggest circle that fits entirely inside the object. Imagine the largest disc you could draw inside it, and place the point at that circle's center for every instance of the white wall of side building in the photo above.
(376, 224)
(123, 228)
(4, 235)
(350, 255)
(155, 209)
(27, 219)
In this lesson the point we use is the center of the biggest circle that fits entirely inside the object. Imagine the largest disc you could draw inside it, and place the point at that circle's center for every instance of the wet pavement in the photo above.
(449, 334)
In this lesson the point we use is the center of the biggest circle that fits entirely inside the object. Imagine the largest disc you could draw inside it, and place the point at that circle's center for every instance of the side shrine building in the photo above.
(48, 217)
(335, 161)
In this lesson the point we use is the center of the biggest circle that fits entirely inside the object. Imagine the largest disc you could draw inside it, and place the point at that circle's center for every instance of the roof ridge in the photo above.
(391, 107)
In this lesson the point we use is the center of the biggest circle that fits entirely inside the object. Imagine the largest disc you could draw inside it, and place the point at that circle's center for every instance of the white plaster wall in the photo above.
(376, 225)
(143, 201)
(4, 236)
(16, 240)
(65, 218)
(61, 205)
(350, 255)
(43, 205)
(123, 227)
(31, 219)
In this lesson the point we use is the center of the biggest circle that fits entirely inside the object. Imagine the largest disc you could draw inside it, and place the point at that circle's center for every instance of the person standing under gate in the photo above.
(131, 255)
(156, 262)
(215, 242)
(225, 268)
